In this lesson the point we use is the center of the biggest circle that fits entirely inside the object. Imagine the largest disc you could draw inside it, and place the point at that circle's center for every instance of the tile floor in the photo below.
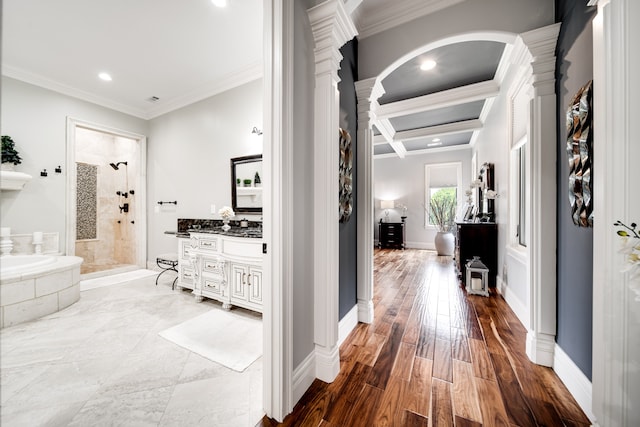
(101, 362)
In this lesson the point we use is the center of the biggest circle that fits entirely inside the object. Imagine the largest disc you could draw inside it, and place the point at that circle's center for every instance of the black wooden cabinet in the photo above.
(477, 239)
(391, 235)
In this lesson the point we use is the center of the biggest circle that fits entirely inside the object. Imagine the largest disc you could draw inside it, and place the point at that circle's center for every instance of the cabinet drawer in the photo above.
(212, 265)
(214, 286)
(208, 244)
(184, 250)
(186, 275)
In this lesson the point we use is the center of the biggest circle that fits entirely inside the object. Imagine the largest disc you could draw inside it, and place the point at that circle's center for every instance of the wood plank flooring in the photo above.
(435, 356)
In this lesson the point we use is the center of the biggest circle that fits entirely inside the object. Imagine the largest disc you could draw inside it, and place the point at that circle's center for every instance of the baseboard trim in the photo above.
(420, 245)
(576, 382)
(303, 376)
(347, 324)
(518, 307)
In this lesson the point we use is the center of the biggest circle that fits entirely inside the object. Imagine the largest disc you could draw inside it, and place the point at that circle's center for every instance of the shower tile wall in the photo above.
(115, 243)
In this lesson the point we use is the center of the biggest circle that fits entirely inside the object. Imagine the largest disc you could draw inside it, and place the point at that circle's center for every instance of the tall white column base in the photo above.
(327, 363)
(540, 348)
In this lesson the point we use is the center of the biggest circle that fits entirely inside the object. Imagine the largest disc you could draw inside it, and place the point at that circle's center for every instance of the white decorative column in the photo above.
(368, 92)
(616, 149)
(332, 28)
(541, 44)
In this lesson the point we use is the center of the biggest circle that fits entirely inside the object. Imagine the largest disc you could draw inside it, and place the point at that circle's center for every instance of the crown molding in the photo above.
(393, 14)
(234, 79)
(43, 82)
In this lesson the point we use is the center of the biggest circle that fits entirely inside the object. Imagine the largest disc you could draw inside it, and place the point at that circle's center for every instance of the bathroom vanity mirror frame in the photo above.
(246, 199)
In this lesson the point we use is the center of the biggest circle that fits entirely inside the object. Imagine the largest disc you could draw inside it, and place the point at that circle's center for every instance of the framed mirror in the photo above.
(246, 184)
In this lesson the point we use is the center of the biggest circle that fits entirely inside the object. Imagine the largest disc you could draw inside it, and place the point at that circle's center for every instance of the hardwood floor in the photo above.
(435, 356)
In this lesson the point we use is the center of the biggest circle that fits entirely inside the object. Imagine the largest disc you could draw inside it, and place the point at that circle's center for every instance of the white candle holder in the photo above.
(477, 277)
(6, 246)
(37, 242)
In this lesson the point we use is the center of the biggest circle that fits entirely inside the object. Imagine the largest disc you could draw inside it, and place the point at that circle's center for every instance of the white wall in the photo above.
(403, 180)
(303, 90)
(493, 146)
(188, 159)
(36, 120)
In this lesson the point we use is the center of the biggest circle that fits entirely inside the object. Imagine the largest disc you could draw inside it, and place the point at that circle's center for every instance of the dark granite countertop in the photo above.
(248, 232)
(214, 226)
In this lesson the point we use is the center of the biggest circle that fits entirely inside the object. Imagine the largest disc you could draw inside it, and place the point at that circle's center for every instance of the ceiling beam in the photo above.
(388, 134)
(445, 98)
(433, 131)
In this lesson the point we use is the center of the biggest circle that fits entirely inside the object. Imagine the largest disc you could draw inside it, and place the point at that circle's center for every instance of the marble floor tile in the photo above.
(210, 402)
(142, 408)
(102, 362)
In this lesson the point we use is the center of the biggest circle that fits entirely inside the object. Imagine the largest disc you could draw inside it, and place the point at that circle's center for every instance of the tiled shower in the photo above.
(107, 168)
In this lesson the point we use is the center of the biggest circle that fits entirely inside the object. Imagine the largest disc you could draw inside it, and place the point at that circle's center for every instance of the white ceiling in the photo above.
(178, 51)
(185, 51)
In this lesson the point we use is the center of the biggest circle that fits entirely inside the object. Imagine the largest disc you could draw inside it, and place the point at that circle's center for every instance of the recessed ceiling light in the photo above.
(435, 140)
(219, 3)
(105, 76)
(434, 144)
(429, 64)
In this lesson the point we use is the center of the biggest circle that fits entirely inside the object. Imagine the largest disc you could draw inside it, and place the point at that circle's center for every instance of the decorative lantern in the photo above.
(477, 277)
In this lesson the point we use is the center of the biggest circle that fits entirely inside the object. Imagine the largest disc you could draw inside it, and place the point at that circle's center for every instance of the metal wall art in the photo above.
(579, 151)
(345, 176)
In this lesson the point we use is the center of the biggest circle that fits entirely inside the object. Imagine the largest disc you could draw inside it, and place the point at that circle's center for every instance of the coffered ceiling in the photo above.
(441, 108)
(165, 54)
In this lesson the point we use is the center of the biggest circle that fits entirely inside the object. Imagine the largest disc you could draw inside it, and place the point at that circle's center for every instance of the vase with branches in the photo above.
(442, 209)
(442, 212)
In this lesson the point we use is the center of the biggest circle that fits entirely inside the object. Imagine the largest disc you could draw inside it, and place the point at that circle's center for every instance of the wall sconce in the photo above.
(44, 172)
(386, 205)
(256, 131)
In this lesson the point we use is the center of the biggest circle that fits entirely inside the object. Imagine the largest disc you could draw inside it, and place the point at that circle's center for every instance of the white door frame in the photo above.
(616, 344)
(140, 186)
(278, 205)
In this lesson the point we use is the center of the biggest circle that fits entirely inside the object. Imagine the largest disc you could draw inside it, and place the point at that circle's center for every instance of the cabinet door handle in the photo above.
(244, 278)
(249, 280)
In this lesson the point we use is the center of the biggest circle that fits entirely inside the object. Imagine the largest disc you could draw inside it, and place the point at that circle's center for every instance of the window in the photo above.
(519, 192)
(442, 182)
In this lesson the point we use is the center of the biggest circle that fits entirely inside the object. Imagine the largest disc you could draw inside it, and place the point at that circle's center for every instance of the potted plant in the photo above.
(10, 156)
(256, 180)
(247, 182)
(442, 213)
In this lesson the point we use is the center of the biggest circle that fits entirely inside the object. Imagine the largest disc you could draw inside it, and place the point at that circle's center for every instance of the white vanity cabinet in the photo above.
(221, 267)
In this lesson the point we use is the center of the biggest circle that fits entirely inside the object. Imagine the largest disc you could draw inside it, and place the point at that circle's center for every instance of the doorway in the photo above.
(106, 199)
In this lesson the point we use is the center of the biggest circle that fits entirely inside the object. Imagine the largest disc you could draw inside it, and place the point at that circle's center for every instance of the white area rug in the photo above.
(231, 338)
(115, 279)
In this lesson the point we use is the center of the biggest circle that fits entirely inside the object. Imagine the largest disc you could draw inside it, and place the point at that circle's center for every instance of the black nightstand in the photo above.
(391, 235)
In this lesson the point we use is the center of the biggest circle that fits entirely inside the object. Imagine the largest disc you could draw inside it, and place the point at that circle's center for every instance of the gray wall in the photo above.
(348, 74)
(36, 120)
(303, 88)
(188, 154)
(574, 68)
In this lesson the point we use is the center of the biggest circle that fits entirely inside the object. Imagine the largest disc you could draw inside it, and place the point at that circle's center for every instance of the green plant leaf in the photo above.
(623, 233)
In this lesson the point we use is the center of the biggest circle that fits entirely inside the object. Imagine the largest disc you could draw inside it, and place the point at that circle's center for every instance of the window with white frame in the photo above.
(442, 182)
(519, 155)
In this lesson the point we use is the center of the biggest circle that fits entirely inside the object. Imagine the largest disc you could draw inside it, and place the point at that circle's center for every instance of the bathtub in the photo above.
(32, 286)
